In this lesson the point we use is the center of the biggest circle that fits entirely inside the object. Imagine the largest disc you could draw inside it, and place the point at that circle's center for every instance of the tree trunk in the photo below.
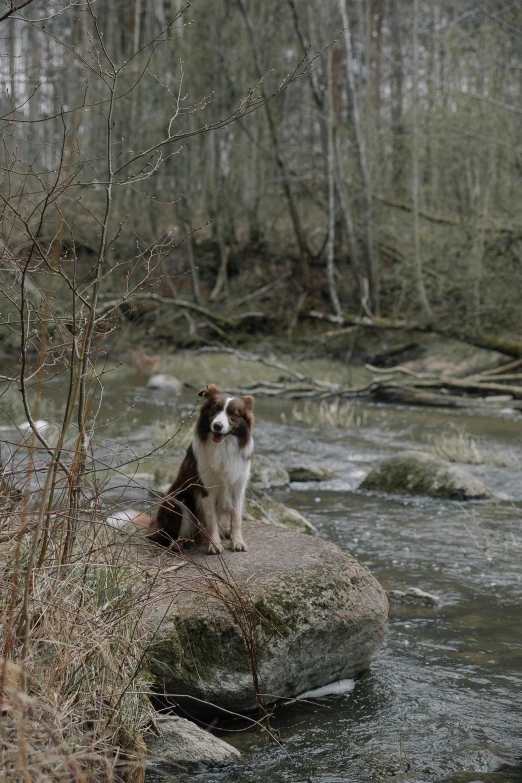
(304, 251)
(417, 261)
(330, 247)
(373, 272)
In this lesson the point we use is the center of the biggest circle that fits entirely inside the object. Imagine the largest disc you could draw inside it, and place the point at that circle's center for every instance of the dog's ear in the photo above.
(209, 391)
(249, 402)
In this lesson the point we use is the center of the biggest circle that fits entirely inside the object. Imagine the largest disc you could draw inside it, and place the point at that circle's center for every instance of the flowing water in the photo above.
(443, 698)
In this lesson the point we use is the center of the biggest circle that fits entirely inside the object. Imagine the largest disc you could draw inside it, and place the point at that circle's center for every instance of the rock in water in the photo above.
(309, 473)
(417, 473)
(183, 744)
(267, 474)
(313, 612)
(413, 595)
(165, 383)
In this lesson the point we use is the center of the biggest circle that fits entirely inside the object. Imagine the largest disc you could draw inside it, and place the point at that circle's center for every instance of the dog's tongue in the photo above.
(217, 437)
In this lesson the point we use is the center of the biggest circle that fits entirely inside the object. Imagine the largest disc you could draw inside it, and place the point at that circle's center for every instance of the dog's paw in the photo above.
(214, 549)
(238, 545)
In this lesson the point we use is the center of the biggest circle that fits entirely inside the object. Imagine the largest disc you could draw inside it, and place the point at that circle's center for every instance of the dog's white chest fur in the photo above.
(224, 470)
(223, 464)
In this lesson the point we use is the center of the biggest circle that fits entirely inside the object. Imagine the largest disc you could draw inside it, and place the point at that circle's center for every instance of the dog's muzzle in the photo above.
(217, 434)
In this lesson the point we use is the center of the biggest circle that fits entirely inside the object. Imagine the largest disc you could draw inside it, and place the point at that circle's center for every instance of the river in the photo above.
(443, 697)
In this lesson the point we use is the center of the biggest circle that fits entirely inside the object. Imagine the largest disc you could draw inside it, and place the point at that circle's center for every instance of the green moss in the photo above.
(280, 617)
(191, 651)
(400, 477)
(424, 474)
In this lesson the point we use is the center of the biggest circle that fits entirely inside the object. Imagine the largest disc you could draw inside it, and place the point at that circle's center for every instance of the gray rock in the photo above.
(262, 508)
(314, 613)
(267, 474)
(165, 383)
(413, 595)
(309, 473)
(417, 473)
(182, 743)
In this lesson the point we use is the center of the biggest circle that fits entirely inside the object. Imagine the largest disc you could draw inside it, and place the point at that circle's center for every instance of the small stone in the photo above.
(165, 383)
(309, 473)
(413, 595)
(182, 743)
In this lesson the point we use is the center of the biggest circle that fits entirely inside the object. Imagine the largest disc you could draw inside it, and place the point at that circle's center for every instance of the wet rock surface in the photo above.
(309, 473)
(413, 595)
(183, 744)
(419, 473)
(316, 614)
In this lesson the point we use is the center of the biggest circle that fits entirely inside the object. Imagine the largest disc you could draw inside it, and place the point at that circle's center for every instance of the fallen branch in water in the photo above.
(420, 389)
(246, 356)
(504, 368)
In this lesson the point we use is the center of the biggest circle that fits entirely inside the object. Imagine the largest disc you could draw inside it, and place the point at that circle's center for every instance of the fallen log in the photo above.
(421, 389)
(491, 342)
(469, 385)
(410, 395)
(246, 356)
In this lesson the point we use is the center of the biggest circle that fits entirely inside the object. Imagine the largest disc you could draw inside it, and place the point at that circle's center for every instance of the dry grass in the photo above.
(69, 679)
(75, 640)
(458, 445)
(326, 413)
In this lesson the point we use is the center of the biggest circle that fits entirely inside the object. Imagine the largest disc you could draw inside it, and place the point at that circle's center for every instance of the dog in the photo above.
(205, 501)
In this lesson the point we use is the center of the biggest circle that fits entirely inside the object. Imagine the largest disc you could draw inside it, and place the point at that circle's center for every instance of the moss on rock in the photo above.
(310, 613)
(417, 473)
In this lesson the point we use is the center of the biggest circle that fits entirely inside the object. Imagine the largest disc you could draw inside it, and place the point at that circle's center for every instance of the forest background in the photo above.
(382, 178)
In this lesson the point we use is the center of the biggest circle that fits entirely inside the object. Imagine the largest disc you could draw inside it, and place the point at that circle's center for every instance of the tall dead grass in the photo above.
(74, 643)
(458, 445)
(329, 413)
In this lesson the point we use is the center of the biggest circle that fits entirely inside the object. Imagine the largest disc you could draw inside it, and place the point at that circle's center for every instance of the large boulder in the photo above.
(182, 744)
(417, 473)
(309, 613)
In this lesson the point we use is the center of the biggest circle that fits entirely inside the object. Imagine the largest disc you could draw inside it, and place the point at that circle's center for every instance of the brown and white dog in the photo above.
(207, 495)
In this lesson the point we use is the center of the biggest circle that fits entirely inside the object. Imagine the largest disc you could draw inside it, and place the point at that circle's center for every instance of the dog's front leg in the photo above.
(211, 531)
(225, 523)
(237, 543)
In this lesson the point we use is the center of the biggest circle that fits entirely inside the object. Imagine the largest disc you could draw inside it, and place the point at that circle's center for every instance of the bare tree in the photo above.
(373, 273)
(417, 260)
